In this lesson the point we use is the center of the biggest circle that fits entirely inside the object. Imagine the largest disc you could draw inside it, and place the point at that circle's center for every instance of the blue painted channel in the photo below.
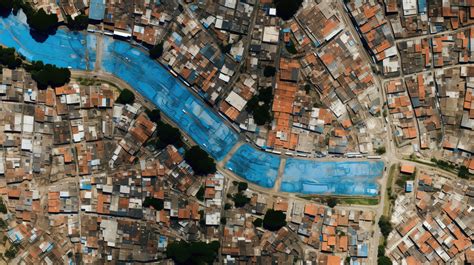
(69, 49)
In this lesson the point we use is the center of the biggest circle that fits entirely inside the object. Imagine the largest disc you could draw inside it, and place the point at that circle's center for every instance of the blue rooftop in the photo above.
(97, 9)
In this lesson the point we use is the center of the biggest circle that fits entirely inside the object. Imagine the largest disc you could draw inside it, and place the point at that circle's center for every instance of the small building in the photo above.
(409, 186)
(407, 169)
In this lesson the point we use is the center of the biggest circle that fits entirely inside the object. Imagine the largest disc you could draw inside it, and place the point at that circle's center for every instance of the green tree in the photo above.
(167, 135)
(3, 208)
(463, 172)
(200, 193)
(157, 204)
(269, 71)
(200, 161)
(49, 75)
(331, 202)
(274, 220)
(192, 253)
(240, 200)
(385, 226)
(156, 51)
(258, 222)
(78, 23)
(259, 106)
(11, 252)
(286, 9)
(126, 97)
(380, 150)
(154, 115)
(383, 260)
(242, 186)
(9, 58)
(42, 22)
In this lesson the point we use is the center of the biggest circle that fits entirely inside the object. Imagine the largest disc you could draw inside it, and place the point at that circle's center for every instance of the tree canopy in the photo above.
(385, 226)
(126, 97)
(48, 75)
(286, 9)
(167, 135)
(259, 106)
(240, 199)
(9, 58)
(42, 22)
(157, 204)
(331, 202)
(192, 253)
(154, 115)
(274, 220)
(241, 186)
(156, 51)
(200, 161)
(269, 71)
(78, 23)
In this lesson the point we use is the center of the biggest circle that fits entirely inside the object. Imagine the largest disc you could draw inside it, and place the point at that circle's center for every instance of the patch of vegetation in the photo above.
(78, 23)
(192, 253)
(331, 202)
(403, 178)
(200, 193)
(167, 135)
(464, 172)
(153, 115)
(42, 23)
(274, 220)
(156, 51)
(384, 260)
(359, 201)
(9, 58)
(258, 222)
(389, 196)
(307, 88)
(223, 220)
(286, 9)
(260, 105)
(3, 207)
(11, 252)
(48, 75)
(242, 186)
(226, 48)
(269, 71)
(227, 206)
(3, 224)
(290, 47)
(200, 161)
(126, 97)
(240, 199)
(157, 204)
(385, 226)
(381, 150)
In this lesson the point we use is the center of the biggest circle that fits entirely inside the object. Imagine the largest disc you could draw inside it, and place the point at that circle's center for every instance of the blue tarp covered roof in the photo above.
(97, 9)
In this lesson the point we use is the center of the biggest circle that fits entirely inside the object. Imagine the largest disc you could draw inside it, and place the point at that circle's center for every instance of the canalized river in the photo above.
(174, 99)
